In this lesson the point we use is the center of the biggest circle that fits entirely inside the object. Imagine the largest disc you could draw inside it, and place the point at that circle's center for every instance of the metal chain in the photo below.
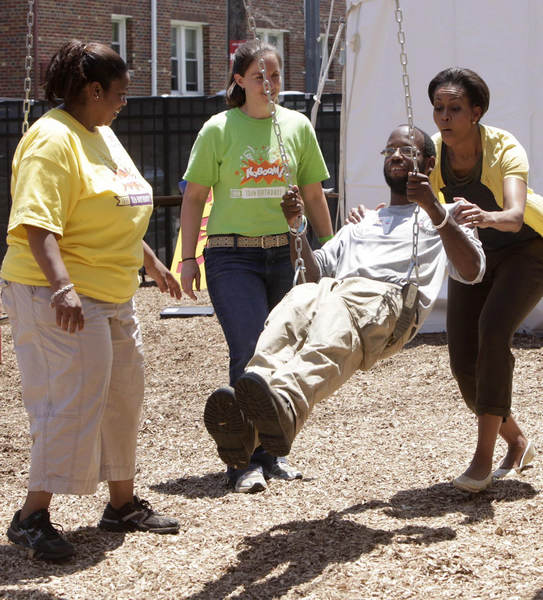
(405, 81)
(299, 271)
(414, 264)
(299, 265)
(28, 64)
(267, 89)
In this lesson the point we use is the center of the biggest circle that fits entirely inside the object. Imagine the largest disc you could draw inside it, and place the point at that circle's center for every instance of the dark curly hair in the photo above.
(245, 55)
(476, 89)
(75, 64)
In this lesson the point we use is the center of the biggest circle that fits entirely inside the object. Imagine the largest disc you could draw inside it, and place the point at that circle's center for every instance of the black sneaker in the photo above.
(137, 516)
(272, 415)
(234, 435)
(40, 537)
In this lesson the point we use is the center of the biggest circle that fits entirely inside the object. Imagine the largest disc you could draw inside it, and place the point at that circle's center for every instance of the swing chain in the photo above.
(414, 264)
(299, 265)
(267, 89)
(28, 64)
(405, 82)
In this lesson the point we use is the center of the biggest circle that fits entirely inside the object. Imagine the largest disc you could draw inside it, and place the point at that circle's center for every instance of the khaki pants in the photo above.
(321, 333)
(83, 392)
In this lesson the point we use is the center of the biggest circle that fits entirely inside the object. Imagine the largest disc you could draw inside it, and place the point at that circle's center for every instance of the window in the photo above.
(274, 37)
(118, 35)
(187, 59)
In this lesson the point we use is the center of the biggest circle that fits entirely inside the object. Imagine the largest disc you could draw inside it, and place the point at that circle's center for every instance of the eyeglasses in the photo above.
(405, 151)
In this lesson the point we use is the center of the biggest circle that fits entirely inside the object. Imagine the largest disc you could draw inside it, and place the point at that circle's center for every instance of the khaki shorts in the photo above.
(83, 392)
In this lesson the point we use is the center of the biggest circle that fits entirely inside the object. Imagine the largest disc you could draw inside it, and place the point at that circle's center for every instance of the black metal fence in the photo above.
(158, 134)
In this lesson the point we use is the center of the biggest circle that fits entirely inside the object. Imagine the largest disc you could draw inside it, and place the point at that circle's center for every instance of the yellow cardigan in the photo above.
(503, 156)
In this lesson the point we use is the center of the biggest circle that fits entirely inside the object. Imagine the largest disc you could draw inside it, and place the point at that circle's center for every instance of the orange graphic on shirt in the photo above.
(264, 171)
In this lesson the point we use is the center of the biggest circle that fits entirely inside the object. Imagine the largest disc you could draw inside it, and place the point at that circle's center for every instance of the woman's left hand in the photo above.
(471, 215)
(165, 281)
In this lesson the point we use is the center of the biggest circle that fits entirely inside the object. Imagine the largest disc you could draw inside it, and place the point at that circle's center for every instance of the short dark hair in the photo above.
(428, 146)
(244, 56)
(75, 64)
(476, 89)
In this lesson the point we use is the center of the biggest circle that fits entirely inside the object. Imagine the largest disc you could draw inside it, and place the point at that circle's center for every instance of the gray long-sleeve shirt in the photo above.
(380, 247)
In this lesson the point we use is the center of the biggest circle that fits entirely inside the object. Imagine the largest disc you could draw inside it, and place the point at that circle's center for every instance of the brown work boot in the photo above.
(233, 433)
(272, 415)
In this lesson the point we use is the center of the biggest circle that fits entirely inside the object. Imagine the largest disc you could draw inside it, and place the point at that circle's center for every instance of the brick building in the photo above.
(191, 49)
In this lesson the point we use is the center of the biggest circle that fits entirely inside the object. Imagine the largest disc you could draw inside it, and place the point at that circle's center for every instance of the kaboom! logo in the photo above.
(257, 166)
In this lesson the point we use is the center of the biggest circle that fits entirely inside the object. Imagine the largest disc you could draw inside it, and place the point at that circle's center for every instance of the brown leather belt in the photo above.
(242, 241)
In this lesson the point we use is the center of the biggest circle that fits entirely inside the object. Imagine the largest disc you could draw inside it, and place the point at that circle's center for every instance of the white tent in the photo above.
(501, 41)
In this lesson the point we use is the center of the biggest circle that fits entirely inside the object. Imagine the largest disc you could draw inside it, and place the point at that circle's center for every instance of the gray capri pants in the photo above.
(83, 392)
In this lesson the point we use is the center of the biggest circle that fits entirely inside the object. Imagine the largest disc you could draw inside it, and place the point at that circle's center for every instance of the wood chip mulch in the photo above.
(374, 517)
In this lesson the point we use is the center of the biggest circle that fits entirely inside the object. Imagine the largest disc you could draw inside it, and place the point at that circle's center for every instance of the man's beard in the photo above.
(397, 184)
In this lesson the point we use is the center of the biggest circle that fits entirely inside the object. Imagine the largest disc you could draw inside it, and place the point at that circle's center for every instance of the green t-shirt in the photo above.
(239, 157)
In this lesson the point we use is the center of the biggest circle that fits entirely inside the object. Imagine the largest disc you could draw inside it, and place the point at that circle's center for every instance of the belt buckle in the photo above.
(263, 242)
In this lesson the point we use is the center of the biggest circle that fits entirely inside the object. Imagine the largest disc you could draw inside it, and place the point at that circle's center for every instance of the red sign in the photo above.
(233, 46)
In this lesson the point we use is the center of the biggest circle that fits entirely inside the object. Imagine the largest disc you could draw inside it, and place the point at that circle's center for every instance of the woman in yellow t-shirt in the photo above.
(75, 245)
(488, 168)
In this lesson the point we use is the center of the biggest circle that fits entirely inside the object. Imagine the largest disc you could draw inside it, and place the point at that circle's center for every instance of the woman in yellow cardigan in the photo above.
(488, 168)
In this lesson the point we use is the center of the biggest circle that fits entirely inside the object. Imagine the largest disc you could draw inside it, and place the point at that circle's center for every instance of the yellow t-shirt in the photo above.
(83, 186)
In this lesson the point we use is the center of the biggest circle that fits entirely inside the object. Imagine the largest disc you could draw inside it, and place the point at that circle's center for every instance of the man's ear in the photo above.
(430, 163)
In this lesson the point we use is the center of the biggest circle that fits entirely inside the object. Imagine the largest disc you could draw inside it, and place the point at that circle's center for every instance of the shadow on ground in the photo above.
(29, 594)
(442, 498)
(210, 485)
(299, 551)
(91, 546)
(520, 340)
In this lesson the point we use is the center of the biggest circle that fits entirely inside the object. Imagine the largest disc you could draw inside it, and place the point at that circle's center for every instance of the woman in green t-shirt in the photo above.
(247, 258)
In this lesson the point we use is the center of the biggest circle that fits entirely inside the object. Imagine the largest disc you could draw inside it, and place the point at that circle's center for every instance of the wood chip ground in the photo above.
(374, 517)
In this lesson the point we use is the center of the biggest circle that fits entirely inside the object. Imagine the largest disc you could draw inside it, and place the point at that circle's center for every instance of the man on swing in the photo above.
(356, 308)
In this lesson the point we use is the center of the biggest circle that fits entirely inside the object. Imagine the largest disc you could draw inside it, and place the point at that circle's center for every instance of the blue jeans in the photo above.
(244, 284)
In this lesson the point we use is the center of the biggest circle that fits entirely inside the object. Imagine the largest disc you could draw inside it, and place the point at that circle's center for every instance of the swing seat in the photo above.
(186, 311)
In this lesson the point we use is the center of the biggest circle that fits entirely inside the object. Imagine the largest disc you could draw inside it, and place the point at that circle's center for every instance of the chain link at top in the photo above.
(267, 89)
(405, 82)
(28, 64)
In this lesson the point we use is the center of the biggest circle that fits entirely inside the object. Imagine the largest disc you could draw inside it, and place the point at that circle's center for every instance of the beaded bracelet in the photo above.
(60, 292)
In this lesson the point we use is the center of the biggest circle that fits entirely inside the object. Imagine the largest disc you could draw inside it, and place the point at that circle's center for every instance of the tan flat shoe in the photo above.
(467, 484)
(526, 458)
